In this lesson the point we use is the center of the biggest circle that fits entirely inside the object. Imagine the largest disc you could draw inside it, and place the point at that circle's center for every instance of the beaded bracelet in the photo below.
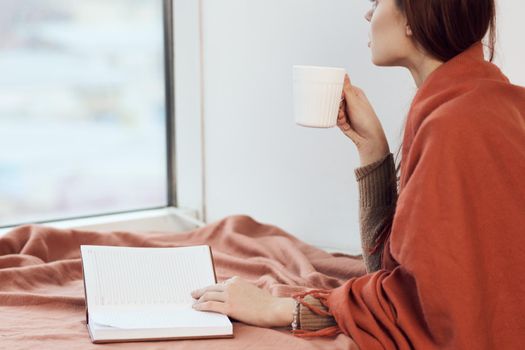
(295, 322)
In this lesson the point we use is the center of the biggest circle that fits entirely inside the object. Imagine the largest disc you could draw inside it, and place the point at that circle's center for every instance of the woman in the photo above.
(445, 257)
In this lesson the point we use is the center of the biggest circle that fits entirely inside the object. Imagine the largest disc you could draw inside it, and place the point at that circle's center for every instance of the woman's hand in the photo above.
(245, 302)
(359, 122)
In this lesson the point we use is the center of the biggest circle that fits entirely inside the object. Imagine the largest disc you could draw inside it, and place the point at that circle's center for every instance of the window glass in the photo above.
(82, 108)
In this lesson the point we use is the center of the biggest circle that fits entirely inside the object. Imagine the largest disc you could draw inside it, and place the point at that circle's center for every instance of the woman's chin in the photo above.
(375, 60)
(380, 61)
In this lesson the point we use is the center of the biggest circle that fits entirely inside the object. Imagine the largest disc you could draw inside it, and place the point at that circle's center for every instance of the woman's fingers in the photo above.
(342, 118)
(214, 306)
(344, 124)
(347, 87)
(219, 287)
(212, 296)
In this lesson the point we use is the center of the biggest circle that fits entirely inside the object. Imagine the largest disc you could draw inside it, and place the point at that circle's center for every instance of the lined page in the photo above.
(157, 316)
(145, 276)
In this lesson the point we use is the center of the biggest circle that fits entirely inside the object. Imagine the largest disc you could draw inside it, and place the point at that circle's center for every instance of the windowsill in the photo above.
(165, 219)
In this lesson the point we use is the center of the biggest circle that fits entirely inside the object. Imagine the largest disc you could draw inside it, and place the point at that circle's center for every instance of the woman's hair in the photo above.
(444, 29)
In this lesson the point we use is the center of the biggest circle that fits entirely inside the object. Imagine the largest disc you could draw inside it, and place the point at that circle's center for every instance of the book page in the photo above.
(156, 316)
(130, 276)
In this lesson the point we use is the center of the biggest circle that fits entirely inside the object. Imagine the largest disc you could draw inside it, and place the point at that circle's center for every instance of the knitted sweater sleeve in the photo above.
(377, 203)
(377, 200)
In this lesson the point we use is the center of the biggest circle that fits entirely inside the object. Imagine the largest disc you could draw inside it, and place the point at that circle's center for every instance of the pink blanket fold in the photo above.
(42, 297)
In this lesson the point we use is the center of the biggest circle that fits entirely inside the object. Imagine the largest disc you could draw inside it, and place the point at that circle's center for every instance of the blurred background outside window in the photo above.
(82, 108)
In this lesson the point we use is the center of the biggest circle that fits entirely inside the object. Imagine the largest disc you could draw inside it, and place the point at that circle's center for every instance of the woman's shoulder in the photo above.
(483, 117)
(481, 104)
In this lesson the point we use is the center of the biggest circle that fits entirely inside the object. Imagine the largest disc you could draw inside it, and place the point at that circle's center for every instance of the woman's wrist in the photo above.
(369, 156)
(282, 312)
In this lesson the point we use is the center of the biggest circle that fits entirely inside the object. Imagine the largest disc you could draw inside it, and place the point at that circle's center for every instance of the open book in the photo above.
(135, 294)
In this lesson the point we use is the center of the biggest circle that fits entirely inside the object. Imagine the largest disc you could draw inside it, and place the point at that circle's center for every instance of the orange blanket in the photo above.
(454, 267)
(42, 296)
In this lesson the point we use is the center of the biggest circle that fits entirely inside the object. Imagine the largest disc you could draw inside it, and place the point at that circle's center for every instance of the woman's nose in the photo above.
(368, 15)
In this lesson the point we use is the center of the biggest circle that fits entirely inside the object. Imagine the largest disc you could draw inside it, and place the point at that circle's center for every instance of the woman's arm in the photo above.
(377, 194)
(377, 198)
(377, 203)
(376, 177)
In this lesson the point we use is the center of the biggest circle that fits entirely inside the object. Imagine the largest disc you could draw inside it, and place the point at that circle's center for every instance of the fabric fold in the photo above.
(42, 295)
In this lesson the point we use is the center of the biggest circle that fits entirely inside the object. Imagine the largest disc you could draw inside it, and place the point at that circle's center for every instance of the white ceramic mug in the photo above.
(317, 95)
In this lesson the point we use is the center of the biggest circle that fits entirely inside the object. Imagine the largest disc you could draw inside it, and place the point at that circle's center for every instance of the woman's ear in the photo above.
(408, 30)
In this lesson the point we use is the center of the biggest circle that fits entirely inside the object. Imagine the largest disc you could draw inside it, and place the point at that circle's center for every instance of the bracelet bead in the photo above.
(295, 323)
